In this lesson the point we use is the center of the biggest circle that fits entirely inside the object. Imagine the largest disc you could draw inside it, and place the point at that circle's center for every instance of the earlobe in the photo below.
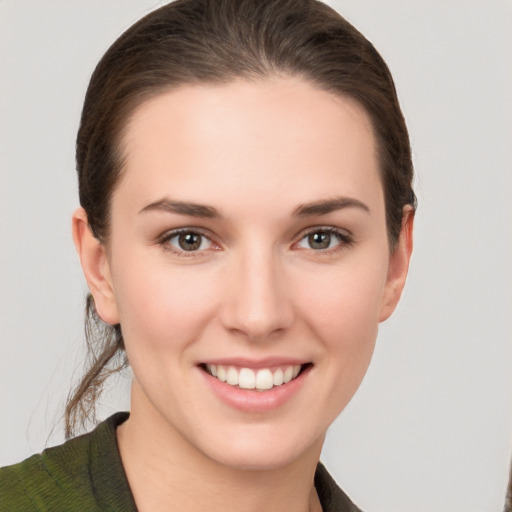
(95, 266)
(398, 266)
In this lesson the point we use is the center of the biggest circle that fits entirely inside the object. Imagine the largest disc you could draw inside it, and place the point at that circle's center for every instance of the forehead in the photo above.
(259, 137)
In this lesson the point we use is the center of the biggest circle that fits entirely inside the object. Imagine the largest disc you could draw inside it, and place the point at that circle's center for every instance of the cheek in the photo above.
(345, 303)
(162, 306)
(342, 309)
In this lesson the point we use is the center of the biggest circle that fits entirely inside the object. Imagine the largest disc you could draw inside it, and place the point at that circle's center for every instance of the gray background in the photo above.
(431, 427)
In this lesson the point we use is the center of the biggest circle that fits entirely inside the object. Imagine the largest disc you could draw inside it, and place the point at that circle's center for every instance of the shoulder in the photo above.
(48, 480)
(70, 476)
(332, 498)
(16, 482)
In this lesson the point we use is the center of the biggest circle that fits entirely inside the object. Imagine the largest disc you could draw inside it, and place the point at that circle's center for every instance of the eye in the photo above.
(188, 241)
(324, 239)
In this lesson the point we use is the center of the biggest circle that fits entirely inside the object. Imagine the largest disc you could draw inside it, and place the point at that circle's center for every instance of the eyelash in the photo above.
(345, 240)
(167, 237)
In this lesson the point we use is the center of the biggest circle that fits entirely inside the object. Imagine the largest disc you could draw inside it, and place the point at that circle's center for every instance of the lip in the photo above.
(254, 401)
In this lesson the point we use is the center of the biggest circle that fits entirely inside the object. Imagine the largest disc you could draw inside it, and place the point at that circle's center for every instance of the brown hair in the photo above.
(216, 41)
(508, 497)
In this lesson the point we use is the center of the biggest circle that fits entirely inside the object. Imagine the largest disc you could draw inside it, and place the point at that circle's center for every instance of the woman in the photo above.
(245, 224)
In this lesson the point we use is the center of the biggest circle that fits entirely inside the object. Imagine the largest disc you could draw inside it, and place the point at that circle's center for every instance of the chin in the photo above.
(249, 452)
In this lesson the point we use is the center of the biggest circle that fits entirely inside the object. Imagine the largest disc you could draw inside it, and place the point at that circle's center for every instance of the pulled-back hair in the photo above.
(213, 42)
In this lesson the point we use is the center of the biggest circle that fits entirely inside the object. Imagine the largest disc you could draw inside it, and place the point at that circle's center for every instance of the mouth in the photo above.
(261, 379)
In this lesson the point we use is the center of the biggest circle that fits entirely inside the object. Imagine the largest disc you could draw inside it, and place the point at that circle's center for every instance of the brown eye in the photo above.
(319, 240)
(189, 241)
(324, 239)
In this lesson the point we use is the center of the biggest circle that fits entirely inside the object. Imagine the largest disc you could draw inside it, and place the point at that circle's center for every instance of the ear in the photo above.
(96, 268)
(398, 266)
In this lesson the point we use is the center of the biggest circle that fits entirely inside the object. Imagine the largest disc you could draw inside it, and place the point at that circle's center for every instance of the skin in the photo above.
(256, 152)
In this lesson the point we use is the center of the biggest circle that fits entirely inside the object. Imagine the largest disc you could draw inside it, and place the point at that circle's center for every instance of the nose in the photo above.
(256, 303)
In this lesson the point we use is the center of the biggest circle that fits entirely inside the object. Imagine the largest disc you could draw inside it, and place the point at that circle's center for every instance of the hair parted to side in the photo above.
(214, 42)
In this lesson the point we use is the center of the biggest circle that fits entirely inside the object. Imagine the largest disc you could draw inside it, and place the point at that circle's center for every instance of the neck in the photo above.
(166, 473)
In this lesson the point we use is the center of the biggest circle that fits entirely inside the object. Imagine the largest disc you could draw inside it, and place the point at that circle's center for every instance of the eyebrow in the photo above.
(183, 208)
(315, 208)
(328, 206)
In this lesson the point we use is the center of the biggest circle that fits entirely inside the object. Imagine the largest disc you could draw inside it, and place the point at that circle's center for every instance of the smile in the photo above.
(262, 379)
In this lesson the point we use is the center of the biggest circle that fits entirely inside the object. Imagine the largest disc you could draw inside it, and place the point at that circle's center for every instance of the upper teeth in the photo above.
(246, 378)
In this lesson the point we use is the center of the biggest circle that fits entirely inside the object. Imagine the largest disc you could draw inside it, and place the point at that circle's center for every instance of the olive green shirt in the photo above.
(86, 474)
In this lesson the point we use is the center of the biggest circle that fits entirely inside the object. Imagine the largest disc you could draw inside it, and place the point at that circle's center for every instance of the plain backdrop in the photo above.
(431, 427)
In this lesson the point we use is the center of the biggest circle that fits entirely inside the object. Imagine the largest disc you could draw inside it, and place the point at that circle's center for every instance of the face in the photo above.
(248, 265)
